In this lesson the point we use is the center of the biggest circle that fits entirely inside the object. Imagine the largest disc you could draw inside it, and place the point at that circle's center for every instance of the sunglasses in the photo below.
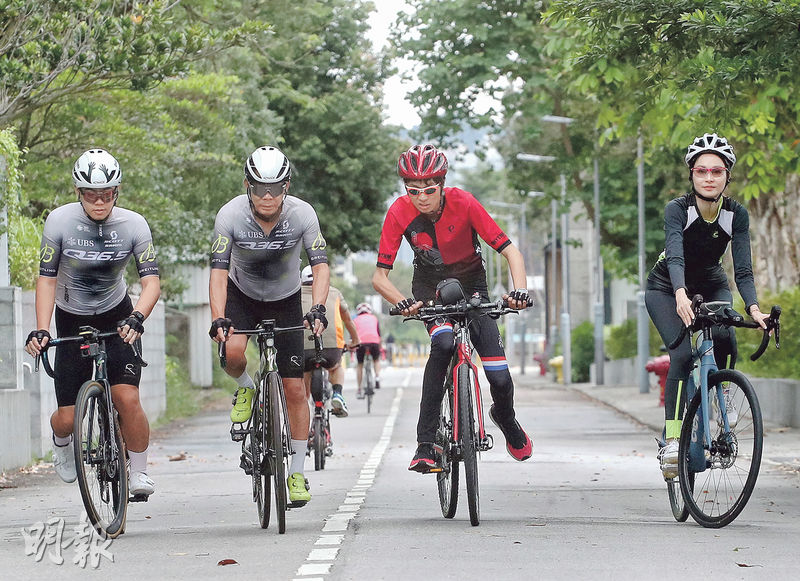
(716, 172)
(272, 190)
(429, 191)
(93, 196)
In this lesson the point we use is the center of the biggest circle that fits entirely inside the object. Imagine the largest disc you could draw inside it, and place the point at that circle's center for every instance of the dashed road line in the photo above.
(320, 560)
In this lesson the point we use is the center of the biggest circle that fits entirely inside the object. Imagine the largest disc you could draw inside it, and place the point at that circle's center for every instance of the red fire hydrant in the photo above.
(540, 358)
(660, 366)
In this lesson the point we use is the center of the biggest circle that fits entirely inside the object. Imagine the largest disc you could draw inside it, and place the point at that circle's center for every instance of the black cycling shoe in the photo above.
(425, 459)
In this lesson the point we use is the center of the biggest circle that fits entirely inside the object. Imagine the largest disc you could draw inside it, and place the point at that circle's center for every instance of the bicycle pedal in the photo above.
(435, 470)
(246, 465)
(329, 452)
(139, 498)
(296, 503)
(238, 434)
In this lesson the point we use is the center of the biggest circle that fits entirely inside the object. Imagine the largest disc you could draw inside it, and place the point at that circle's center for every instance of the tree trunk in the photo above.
(775, 236)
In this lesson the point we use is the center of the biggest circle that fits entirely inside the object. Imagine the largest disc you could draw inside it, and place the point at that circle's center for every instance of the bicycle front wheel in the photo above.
(722, 490)
(100, 461)
(447, 479)
(318, 429)
(468, 438)
(279, 443)
(258, 447)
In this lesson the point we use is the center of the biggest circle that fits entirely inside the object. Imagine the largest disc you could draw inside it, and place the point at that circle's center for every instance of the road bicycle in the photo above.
(368, 380)
(100, 454)
(461, 435)
(266, 438)
(319, 438)
(719, 453)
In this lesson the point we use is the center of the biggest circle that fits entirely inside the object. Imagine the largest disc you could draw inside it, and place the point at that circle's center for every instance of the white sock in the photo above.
(244, 380)
(299, 456)
(138, 460)
(61, 442)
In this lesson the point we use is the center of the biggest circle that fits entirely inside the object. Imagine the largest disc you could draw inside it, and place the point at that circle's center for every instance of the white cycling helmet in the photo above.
(267, 165)
(96, 168)
(362, 308)
(711, 143)
(306, 276)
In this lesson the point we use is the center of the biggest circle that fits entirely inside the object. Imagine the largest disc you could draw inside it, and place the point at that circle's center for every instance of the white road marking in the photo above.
(354, 498)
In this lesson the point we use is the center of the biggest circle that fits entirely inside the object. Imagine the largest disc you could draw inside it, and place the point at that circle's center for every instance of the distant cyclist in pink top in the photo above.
(369, 333)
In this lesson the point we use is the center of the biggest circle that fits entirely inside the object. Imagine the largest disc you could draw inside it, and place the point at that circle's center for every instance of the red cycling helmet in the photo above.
(422, 162)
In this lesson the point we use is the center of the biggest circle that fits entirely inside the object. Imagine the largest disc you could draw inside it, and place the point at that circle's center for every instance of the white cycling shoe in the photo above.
(139, 483)
(64, 462)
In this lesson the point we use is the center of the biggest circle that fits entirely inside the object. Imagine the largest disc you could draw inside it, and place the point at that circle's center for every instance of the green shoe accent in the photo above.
(243, 405)
(298, 489)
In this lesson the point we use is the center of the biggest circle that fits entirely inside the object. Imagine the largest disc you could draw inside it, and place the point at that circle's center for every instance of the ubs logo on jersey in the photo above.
(250, 234)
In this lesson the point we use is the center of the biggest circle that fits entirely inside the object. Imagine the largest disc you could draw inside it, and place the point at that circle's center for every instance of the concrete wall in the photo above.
(15, 433)
(779, 398)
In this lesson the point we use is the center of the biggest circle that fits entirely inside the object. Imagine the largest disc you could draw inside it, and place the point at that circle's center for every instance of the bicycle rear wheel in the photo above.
(469, 442)
(258, 440)
(676, 502)
(369, 381)
(447, 479)
(722, 490)
(280, 441)
(100, 461)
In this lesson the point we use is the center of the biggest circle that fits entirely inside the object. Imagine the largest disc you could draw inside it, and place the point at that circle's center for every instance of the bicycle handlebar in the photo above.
(461, 308)
(721, 313)
(89, 336)
(265, 327)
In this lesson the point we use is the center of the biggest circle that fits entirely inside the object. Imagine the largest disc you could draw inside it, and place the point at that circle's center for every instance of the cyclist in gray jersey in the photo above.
(255, 275)
(86, 246)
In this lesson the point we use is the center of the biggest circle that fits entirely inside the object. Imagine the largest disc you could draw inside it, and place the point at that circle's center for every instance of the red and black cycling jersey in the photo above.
(446, 248)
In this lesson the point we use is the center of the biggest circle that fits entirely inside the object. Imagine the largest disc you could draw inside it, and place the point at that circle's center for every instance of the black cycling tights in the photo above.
(662, 309)
(486, 340)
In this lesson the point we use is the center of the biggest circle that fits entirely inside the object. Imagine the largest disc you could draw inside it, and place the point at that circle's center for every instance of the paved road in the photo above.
(590, 505)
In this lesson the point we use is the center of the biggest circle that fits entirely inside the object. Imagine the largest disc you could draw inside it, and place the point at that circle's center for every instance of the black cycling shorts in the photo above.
(374, 349)
(332, 356)
(245, 313)
(72, 370)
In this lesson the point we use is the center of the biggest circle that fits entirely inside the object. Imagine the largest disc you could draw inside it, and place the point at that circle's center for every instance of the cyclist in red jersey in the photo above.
(442, 225)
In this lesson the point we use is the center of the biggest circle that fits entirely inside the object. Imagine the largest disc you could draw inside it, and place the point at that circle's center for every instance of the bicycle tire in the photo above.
(369, 382)
(679, 509)
(721, 491)
(469, 442)
(260, 475)
(447, 479)
(280, 441)
(319, 443)
(100, 461)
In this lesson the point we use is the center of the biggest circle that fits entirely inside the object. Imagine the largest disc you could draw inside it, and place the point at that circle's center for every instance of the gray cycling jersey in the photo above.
(89, 258)
(266, 266)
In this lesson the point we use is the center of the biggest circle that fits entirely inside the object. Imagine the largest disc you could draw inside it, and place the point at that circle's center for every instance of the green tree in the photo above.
(685, 67)
(52, 51)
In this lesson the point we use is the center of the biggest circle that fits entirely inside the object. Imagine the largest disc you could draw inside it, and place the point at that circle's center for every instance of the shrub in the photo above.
(772, 363)
(582, 351)
(621, 341)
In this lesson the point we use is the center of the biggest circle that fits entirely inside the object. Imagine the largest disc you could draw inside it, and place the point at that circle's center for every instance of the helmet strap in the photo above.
(261, 216)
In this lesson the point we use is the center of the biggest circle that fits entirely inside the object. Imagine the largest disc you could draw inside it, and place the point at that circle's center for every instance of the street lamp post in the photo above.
(642, 330)
(599, 310)
(566, 330)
